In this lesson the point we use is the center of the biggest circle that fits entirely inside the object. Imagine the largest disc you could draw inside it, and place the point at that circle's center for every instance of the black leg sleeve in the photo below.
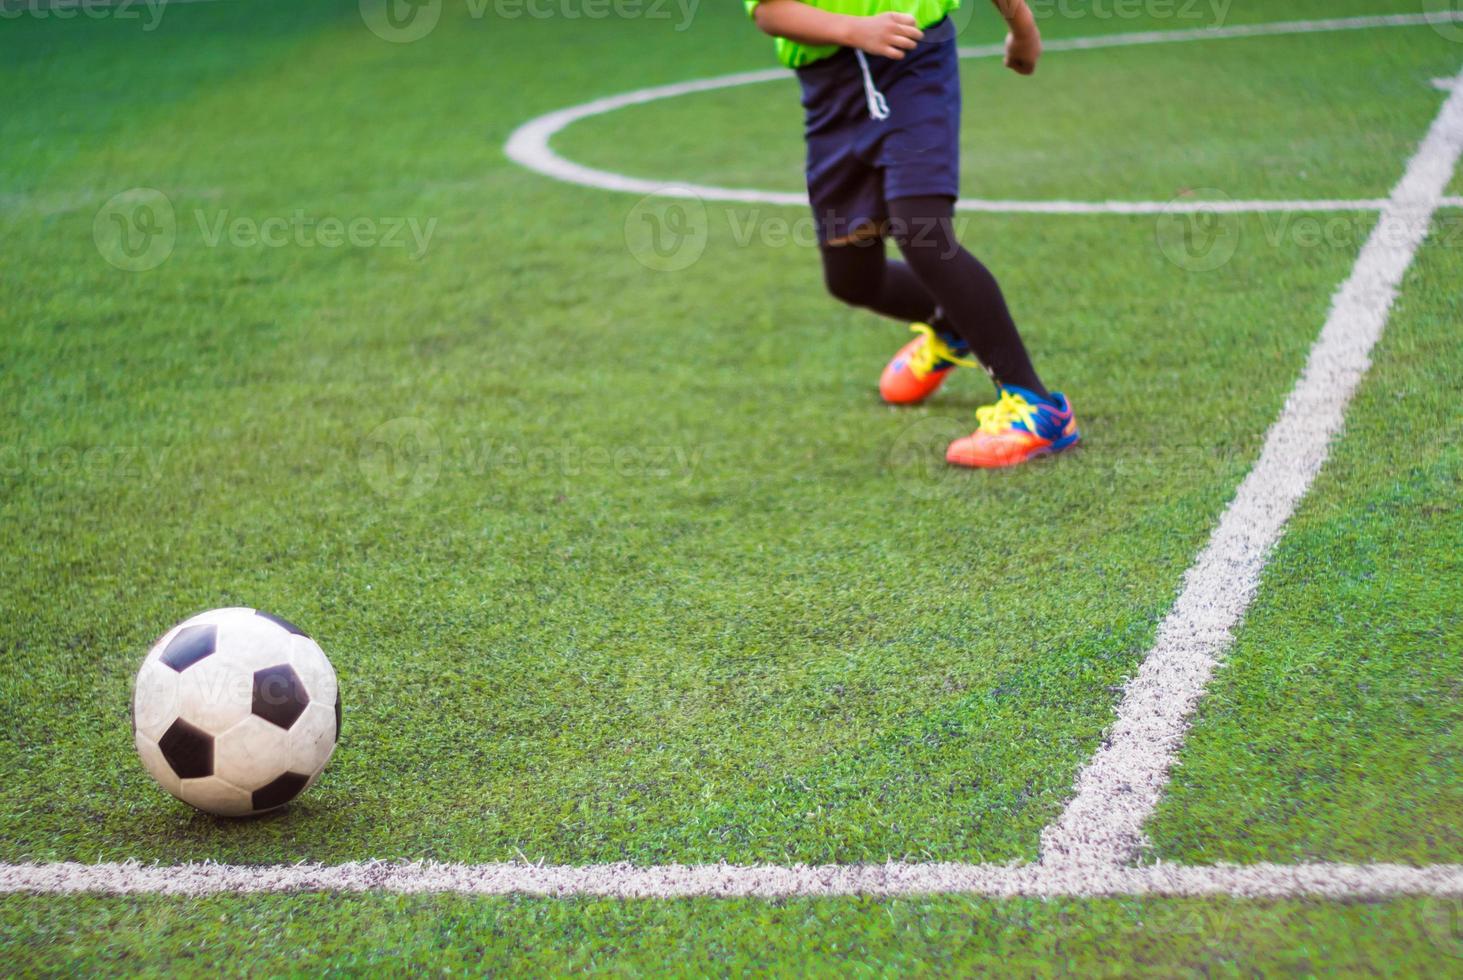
(860, 275)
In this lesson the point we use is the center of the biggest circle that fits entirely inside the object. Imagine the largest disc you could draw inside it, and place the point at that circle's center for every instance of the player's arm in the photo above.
(887, 35)
(1023, 43)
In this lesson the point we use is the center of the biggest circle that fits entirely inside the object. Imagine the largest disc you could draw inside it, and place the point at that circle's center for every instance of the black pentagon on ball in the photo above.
(189, 750)
(279, 695)
(280, 791)
(278, 621)
(191, 645)
(337, 715)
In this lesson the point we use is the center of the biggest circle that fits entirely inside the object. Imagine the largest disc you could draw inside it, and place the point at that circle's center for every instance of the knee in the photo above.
(846, 287)
(924, 241)
(853, 274)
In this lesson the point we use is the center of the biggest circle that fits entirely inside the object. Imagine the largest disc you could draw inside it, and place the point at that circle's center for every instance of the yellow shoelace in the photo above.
(997, 418)
(934, 350)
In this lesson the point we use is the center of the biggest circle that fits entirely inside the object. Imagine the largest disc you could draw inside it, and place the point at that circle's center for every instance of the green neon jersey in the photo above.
(925, 13)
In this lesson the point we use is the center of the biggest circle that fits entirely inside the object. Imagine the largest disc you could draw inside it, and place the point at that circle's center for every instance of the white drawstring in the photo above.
(878, 107)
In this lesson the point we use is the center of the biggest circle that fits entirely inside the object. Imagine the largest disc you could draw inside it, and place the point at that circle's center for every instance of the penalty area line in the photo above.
(626, 881)
(1120, 786)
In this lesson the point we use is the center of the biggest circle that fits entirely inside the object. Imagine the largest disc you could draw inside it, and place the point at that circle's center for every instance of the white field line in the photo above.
(1121, 785)
(1258, 881)
(529, 144)
(1268, 29)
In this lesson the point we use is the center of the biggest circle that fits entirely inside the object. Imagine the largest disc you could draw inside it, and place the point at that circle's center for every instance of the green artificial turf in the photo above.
(311, 935)
(624, 563)
(753, 627)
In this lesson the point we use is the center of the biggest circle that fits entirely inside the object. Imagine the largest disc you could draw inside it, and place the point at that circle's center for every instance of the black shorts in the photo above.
(856, 163)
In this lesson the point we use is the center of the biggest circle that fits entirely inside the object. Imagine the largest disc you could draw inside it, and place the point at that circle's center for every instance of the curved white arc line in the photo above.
(528, 145)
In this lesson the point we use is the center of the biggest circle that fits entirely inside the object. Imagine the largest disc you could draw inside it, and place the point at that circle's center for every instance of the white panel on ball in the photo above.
(254, 642)
(251, 754)
(217, 796)
(312, 739)
(314, 669)
(154, 699)
(216, 693)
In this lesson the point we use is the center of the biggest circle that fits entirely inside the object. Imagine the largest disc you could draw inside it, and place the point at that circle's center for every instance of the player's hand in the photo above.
(1023, 48)
(886, 35)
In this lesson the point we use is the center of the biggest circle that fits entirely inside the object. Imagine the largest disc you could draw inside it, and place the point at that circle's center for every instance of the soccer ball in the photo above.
(236, 711)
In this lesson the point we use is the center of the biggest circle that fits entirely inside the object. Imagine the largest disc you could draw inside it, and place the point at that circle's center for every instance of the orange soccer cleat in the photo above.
(920, 367)
(1018, 427)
